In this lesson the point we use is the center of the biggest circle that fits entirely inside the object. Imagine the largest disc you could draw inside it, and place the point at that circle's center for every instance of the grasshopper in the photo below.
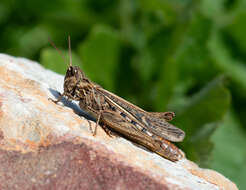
(114, 114)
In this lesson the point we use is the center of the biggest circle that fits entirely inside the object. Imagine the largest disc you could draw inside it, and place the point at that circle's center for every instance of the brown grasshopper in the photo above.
(114, 114)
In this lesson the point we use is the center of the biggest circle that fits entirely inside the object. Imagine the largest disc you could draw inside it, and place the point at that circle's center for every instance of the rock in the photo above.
(48, 146)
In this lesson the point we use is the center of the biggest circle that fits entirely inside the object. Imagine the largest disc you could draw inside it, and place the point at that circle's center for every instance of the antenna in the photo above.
(59, 51)
(70, 54)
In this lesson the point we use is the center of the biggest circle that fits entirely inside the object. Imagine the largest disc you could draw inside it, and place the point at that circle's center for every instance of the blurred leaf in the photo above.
(100, 54)
(192, 54)
(27, 41)
(166, 83)
(237, 29)
(4, 11)
(71, 16)
(130, 28)
(33, 39)
(144, 63)
(52, 60)
(186, 61)
(224, 61)
(166, 8)
(200, 117)
(213, 9)
(229, 154)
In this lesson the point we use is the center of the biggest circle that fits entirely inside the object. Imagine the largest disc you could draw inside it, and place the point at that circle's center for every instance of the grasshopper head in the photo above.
(73, 77)
(74, 74)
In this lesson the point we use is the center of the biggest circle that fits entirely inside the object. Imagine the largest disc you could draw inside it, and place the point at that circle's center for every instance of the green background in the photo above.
(178, 55)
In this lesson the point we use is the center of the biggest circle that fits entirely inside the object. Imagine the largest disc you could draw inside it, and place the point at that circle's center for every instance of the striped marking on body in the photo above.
(133, 122)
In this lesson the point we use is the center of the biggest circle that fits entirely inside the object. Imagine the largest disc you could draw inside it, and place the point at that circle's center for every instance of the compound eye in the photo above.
(70, 71)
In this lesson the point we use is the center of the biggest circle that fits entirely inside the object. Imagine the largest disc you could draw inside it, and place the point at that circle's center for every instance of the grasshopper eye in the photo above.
(70, 71)
(74, 71)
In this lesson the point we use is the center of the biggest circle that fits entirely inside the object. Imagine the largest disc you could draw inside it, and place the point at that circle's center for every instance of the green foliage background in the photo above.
(178, 55)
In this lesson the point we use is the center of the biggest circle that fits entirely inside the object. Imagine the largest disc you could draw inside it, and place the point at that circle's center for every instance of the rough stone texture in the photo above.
(49, 146)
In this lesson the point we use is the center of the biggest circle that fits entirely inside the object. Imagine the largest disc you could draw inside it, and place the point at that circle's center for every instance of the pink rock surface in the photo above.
(49, 146)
